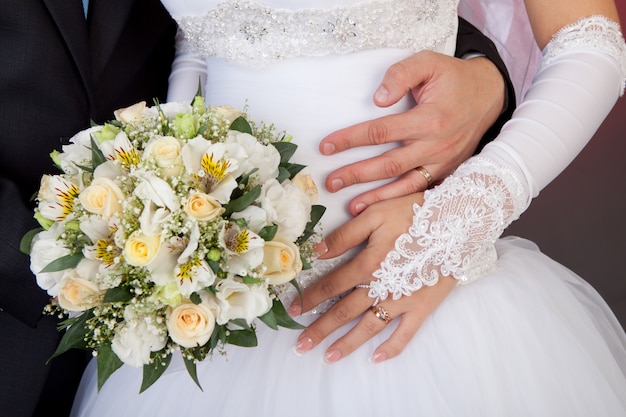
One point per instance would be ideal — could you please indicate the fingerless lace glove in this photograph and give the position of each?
(453, 232)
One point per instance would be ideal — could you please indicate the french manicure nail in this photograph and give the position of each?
(295, 309)
(303, 345)
(321, 248)
(332, 355)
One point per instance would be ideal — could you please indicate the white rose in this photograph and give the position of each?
(305, 183)
(252, 154)
(141, 249)
(102, 197)
(136, 338)
(166, 152)
(132, 113)
(191, 324)
(78, 152)
(287, 206)
(169, 109)
(201, 206)
(281, 260)
(45, 248)
(77, 293)
(237, 300)
(227, 112)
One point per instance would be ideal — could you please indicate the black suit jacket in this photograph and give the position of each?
(58, 72)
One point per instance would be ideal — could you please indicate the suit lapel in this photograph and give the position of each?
(69, 18)
(107, 20)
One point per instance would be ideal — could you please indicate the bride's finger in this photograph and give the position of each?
(347, 236)
(338, 281)
(342, 312)
(374, 320)
(422, 304)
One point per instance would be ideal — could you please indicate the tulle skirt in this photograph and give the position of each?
(529, 339)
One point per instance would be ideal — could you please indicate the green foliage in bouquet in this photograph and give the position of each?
(172, 227)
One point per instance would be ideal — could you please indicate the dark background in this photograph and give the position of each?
(580, 218)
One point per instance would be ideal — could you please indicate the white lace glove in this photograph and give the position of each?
(583, 73)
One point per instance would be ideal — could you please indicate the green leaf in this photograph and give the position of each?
(74, 336)
(244, 201)
(215, 266)
(108, 362)
(283, 319)
(241, 323)
(268, 232)
(27, 239)
(245, 178)
(286, 150)
(269, 319)
(97, 157)
(317, 212)
(240, 124)
(215, 337)
(293, 169)
(84, 168)
(154, 370)
(190, 364)
(195, 298)
(251, 281)
(244, 338)
(64, 262)
(283, 174)
(118, 294)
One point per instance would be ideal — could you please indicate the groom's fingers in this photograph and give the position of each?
(403, 76)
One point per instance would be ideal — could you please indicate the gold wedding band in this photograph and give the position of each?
(426, 174)
(380, 312)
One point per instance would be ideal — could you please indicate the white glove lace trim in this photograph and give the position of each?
(454, 232)
(595, 32)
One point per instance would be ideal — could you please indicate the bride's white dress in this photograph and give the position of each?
(528, 339)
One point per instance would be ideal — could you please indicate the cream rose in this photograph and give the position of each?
(227, 112)
(78, 294)
(141, 249)
(166, 152)
(237, 300)
(281, 259)
(202, 206)
(190, 324)
(305, 183)
(132, 113)
(102, 197)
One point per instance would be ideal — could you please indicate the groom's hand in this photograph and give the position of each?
(456, 103)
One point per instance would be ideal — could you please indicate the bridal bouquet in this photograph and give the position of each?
(172, 227)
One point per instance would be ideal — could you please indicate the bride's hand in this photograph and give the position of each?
(457, 101)
(380, 230)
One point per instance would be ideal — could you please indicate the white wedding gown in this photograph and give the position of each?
(528, 339)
